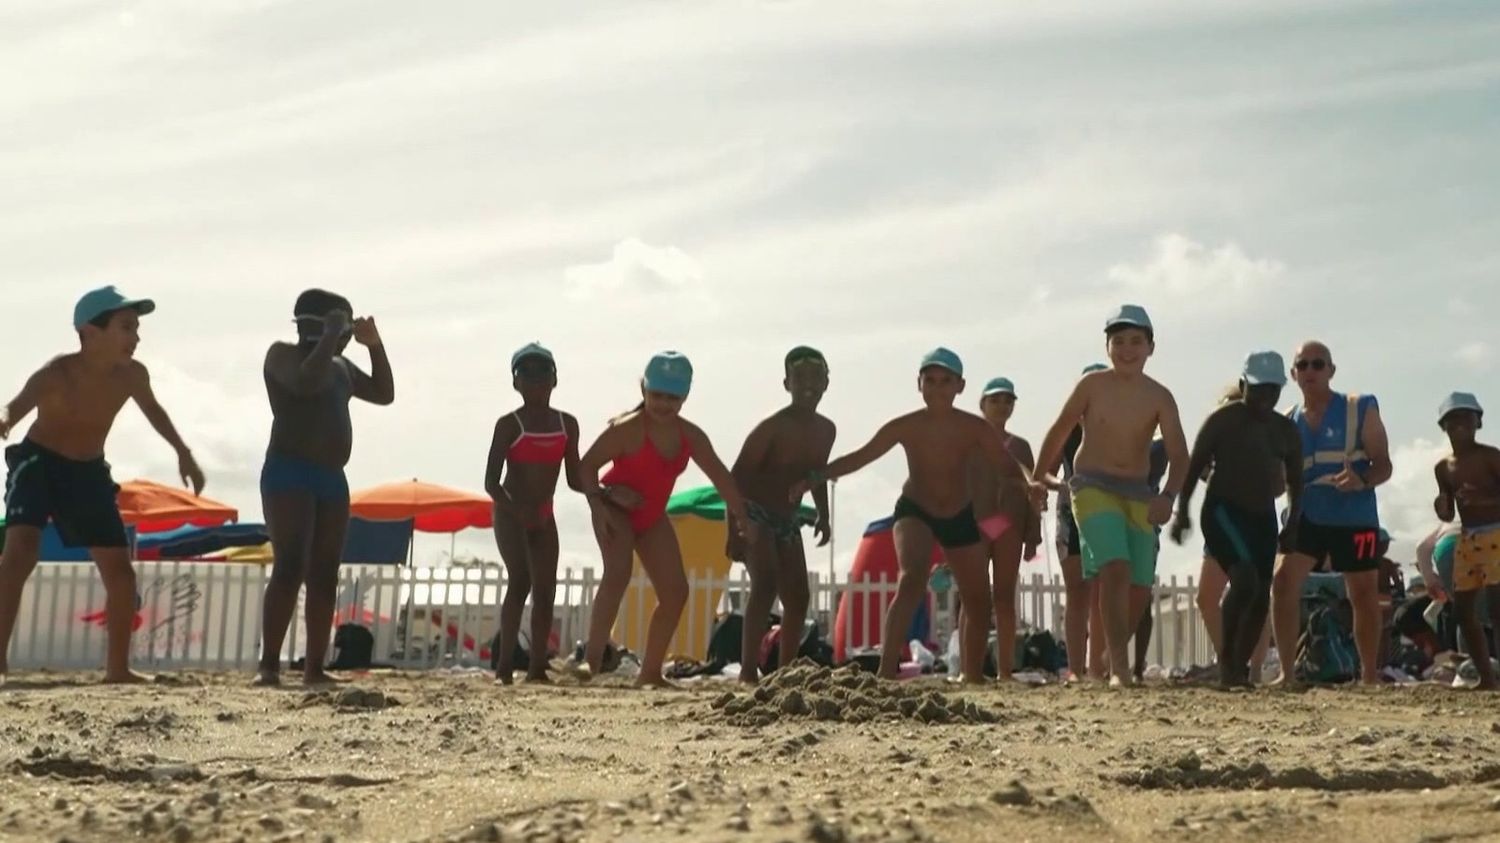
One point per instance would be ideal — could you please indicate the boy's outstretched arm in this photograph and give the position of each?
(1049, 456)
(144, 398)
(753, 452)
(886, 438)
(824, 528)
(1443, 505)
(1177, 449)
(26, 400)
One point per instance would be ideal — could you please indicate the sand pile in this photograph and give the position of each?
(805, 690)
(348, 699)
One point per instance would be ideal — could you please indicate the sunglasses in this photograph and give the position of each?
(1317, 365)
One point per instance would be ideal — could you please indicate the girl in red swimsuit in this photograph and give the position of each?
(536, 442)
(649, 447)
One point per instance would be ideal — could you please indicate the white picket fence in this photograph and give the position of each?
(207, 616)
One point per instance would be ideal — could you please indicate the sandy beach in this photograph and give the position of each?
(813, 755)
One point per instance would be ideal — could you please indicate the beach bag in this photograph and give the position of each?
(355, 647)
(1040, 651)
(1326, 652)
(811, 647)
(724, 642)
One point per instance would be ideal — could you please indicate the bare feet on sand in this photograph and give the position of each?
(266, 678)
(128, 677)
(538, 677)
(657, 682)
(319, 679)
(504, 677)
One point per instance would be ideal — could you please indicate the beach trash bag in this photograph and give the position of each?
(354, 647)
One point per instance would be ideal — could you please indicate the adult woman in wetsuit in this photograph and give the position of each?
(649, 447)
(531, 446)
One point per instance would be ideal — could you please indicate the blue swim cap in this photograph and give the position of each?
(669, 372)
(999, 386)
(942, 358)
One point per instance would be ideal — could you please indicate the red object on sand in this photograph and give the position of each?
(431, 508)
(155, 508)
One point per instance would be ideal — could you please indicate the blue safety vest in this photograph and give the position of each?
(1324, 453)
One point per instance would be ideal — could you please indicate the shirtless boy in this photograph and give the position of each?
(1468, 483)
(303, 491)
(1120, 410)
(58, 472)
(780, 451)
(935, 504)
(531, 447)
(1248, 446)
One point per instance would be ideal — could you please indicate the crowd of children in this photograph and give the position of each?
(972, 489)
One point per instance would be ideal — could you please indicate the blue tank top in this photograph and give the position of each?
(1323, 455)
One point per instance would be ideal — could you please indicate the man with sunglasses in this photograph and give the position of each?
(303, 491)
(1345, 455)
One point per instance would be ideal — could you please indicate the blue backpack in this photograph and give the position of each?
(1326, 653)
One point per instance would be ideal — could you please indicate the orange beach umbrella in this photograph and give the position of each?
(430, 507)
(154, 508)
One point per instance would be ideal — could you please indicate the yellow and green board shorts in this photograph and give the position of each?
(1113, 525)
(1476, 562)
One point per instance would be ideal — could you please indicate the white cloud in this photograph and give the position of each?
(1181, 266)
(1476, 355)
(635, 268)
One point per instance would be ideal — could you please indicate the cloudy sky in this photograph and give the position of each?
(731, 179)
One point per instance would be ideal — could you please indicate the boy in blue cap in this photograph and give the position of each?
(531, 446)
(1248, 445)
(1116, 510)
(58, 472)
(780, 451)
(303, 491)
(649, 447)
(935, 505)
(1468, 483)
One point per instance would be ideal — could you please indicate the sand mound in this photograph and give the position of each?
(348, 699)
(805, 690)
(1189, 772)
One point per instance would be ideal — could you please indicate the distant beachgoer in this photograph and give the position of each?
(303, 490)
(58, 474)
(531, 447)
(1083, 626)
(1253, 453)
(1120, 411)
(1345, 456)
(1468, 483)
(935, 505)
(780, 451)
(1213, 583)
(649, 447)
(1011, 523)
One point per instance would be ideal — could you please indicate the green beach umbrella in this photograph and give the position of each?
(705, 502)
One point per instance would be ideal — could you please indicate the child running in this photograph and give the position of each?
(1468, 483)
(649, 447)
(1253, 452)
(1116, 511)
(303, 490)
(1083, 628)
(58, 472)
(780, 451)
(531, 447)
(935, 505)
(1011, 524)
